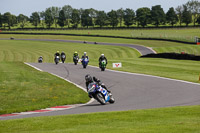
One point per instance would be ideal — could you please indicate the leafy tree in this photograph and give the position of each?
(35, 19)
(42, 16)
(14, 20)
(1, 20)
(101, 19)
(7, 19)
(187, 15)
(179, 12)
(157, 15)
(93, 15)
(194, 7)
(48, 17)
(86, 19)
(113, 18)
(55, 14)
(171, 16)
(61, 19)
(129, 17)
(143, 16)
(68, 13)
(75, 18)
(22, 19)
(120, 13)
(198, 20)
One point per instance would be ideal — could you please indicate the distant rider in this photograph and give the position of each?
(40, 59)
(85, 56)
(75, 54)
(101, 58)
(57, 54)
(89, 79)
(62, 53)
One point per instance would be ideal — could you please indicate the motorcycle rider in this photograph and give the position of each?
(75, 54)
(62, 53)
(85, 56)
(101, 58)
(40, 59)
(57, 54)
(89, 80)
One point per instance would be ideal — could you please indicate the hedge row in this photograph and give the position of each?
(177, 56)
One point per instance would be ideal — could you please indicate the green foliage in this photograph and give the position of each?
(113, 18)
(22, 19)
(129, 17)
(68, 13)
(143, 16)
(35, 19)
(157, 15)
(171, 16)
(86, 19)
(61, 18)
(75, 20)
(48, 17)
(101, 18)
(187, 15)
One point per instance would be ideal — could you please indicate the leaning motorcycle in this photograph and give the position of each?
(57, 59)
(85, 62)
(40, 60)
(100, 94)
(63, 57)
(103, 65)
(75, 59)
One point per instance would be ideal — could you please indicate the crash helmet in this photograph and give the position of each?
(62, 52)
(102, 55)
(57, 52)
(40, 56)
(88, 78)
(85, 53)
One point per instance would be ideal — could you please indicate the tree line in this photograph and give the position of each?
(72, 18)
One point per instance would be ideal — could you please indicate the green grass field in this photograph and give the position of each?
(187, 34)
(23, 88)
(26, 79)
(165, 120)
(158, 46)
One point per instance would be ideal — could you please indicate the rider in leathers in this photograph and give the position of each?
(89, 80)
(101, 58)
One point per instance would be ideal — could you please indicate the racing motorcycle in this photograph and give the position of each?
(103, 65)
(75, 59)
(63, 57)
(40, 59)
(100, 94)
(85, 62)
(57, 59)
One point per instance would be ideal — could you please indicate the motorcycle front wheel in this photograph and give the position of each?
(100, 98)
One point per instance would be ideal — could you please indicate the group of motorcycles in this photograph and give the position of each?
(84, 61)
(95, 90)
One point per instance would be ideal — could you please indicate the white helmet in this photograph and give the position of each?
(102, 55)
(85, 53)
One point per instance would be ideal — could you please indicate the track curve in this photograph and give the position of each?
(141, 49)
(131, 91)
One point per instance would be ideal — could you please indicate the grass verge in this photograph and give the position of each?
(23, 89)
(165, 120)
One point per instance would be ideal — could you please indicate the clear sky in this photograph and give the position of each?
(27, 7)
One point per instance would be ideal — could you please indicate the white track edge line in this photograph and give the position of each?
(188, 82)
(77, 105)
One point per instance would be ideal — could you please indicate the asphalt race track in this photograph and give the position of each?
(131, 91)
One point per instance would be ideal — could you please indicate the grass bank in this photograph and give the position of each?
(23, 89)
(187, 34)
(158, 46)
(165, 120)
